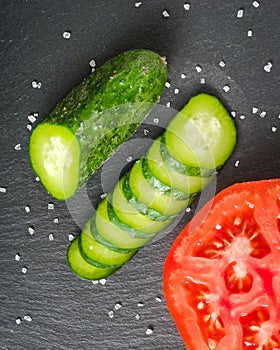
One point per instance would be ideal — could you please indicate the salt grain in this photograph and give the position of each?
(218, 227)
(50, 206)
(149, 331)
(18, 147)
(176, 91)
(226, 88)
(66, 35)
(70, 237)
(17, 257)
(129, 159)
(168, 104)
(255, 110)
(256, 4)
(188, 210)
(111, 314)
(24, 270)
(165, 14)
(31, 230)
(202, 81)
(222, 63)
(18, 321)
(27, 318)
(3, 189)
(167, 84)
(138, 4)
(92, 63)
(198, 68)
(233, 113)
(242, 117)
(263, 114)
(187, 6)
(31, 118)
(156, 120)
(56, 220)
(137, 316)
(102, 281)
(36, 84)
(94, 282)
(103, 195)
(250, 33)
(146, 132)
(240, 13)
(274, 129)
(27, 209)
(29, 127)
(236, 163)
(267, 67)
(51, 237)
(158, 299)
(183, 76)
(140, 304)
(37, 178)
(117, 306)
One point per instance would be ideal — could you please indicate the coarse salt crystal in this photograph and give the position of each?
(27, 318)
(176, 91)
(156, 120)
(138, 4)
(198, 68)
(149, 331)
(226, 88)
(117, 306)
(233, 113)
(158, 299)
(36, 84)
(18, 321)
(242, 116)
(268, 66)
(168, 104)
(202, 81)
(129, 159)
(50, 206)
(137, 316)
(255, 110)
(31, 118)
(250, 33)
(218, 227)
(27, 208)
(18, 147)
(51, 237)
(256, 4)
(92, 63)
(111, 314)
(146, 132)
(3, 189)
(103, 195)
(66, 35)
(188, 210)
(263, 114)
(187, 6)
(17, 257)
(183, 76)
(29, 127)
(102, 281)
(240, 13)
(222, 63)
(94, 282)
(56, 220)
(165, 14)
(274, 129)
(237, 163)
(24, 270)
(140, 304)
(70, 237)
(167, 84)
(31, 230)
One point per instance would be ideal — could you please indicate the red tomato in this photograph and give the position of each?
(222, 281)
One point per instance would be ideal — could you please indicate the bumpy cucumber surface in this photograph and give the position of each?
(154, 191)
(95, 119)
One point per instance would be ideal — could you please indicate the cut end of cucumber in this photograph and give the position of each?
(203, 134)
(55, 157)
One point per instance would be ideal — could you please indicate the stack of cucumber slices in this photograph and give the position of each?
(157, 188)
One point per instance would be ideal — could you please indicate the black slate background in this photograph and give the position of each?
(65, 312)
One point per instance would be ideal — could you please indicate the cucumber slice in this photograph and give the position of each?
(203, 134)
(112, 232)
(152, 197)
(99, 255)
(82, 268)
(132, 217)
(167, 174)
(95, 119)
(140, 206)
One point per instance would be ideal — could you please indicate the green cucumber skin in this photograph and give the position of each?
(135, 78)
(136, 171)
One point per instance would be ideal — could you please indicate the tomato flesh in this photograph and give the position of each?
(222, 274)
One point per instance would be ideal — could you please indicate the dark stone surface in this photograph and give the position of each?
(67, 313)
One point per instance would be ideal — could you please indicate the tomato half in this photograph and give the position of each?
(222, 281)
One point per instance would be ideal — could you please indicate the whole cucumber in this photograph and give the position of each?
(95, 118)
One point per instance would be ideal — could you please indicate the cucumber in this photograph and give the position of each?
(116, 234)
(95, 119)
(170, 175)
(82, 268)
(157, 188)
(98, 254)
(131, 216)
(152, 197)
(202, 135)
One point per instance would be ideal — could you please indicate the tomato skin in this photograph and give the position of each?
(226, 264)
